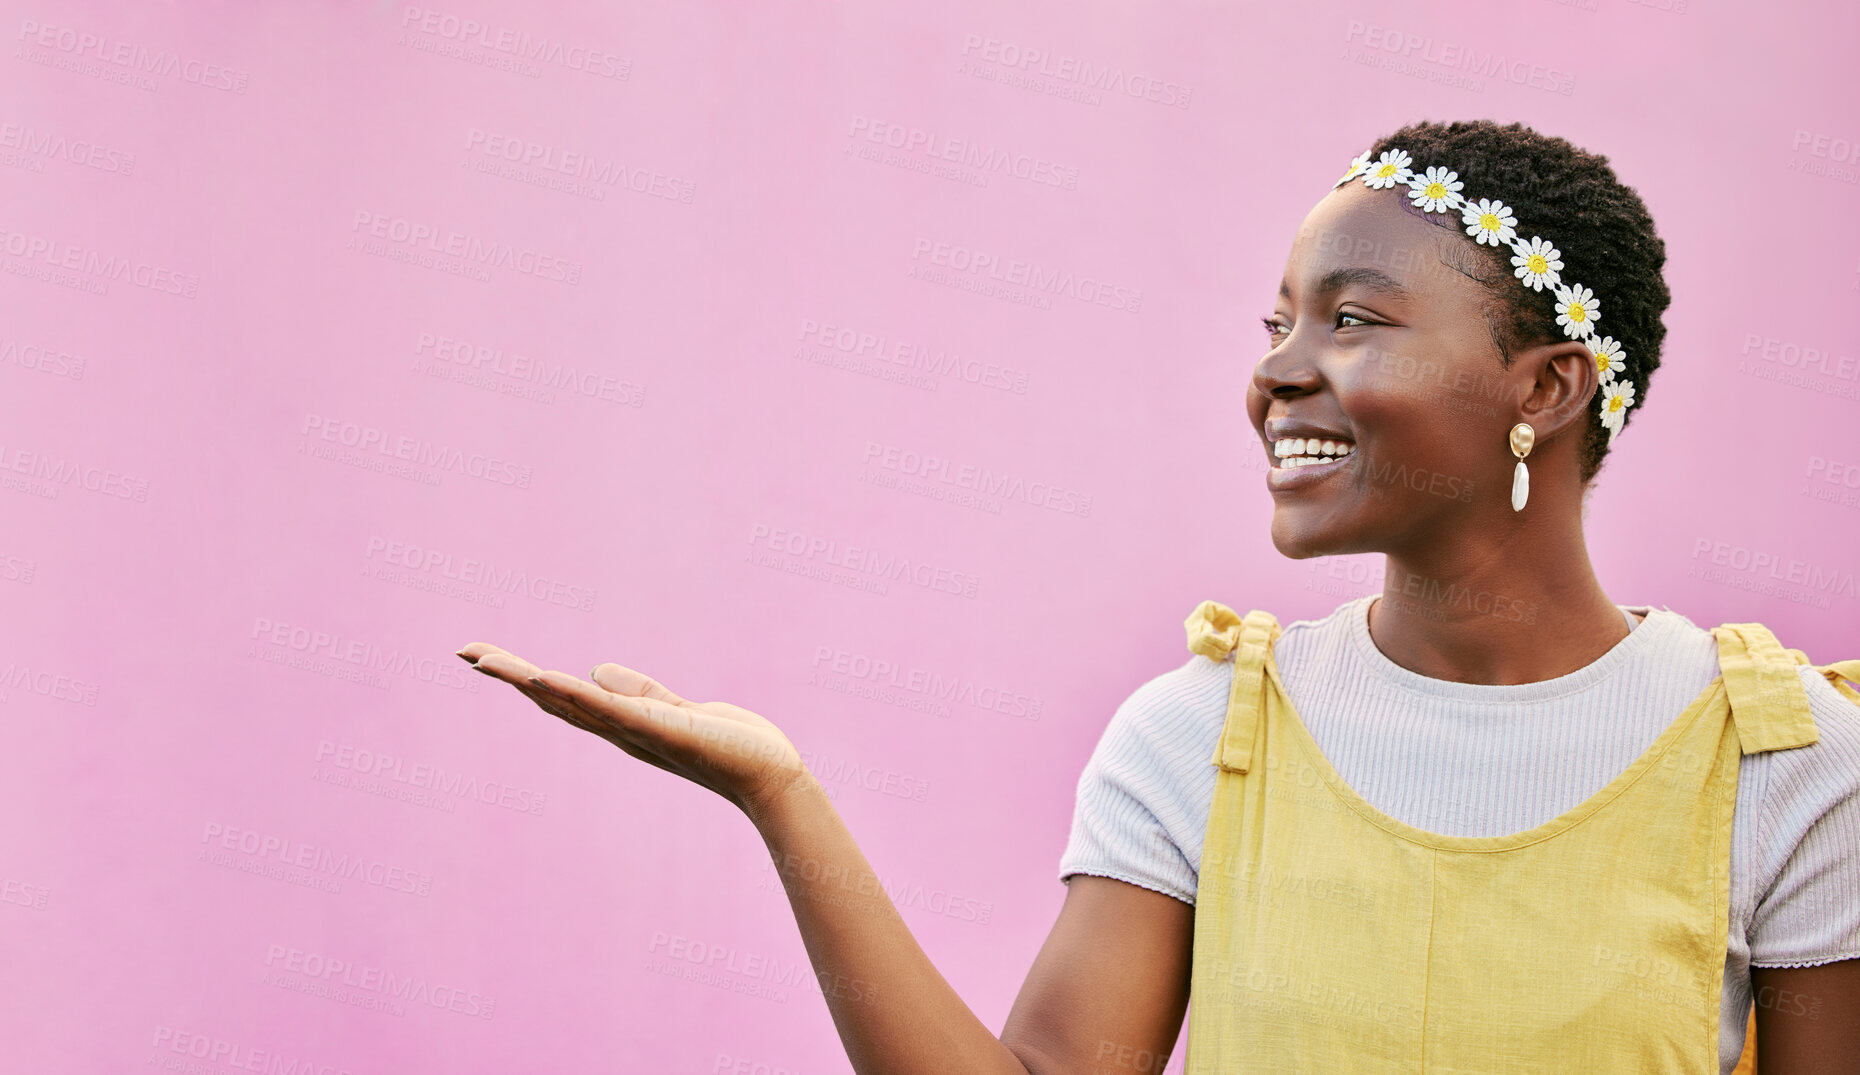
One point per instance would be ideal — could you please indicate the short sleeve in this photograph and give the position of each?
(1140, 808)
(1810, 821)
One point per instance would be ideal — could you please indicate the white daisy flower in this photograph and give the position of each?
(1436, 191)
(1616, 399)
(1390, 170)
(1356, 167)
(1609, 358)
(1489, 221)
(1537, 263)
(1577, 310)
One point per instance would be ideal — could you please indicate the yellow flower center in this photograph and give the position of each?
(1489, 221)
(1384, 171)
(1537, 263)
(1436, 190)
(1614, 403)
(1577, 313)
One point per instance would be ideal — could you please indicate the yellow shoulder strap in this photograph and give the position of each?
(1837, 673)
(1213, 630)
(1769, 705)
(1768, 702)
(1219, 633)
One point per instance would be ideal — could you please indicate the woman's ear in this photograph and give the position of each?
(1564, 383)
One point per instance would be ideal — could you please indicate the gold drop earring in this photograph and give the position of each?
(1522, 436)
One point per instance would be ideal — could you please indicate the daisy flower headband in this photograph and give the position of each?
(1536, 263)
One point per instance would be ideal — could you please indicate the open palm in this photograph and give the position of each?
(726, 748)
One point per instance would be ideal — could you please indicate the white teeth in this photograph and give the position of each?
(1291, 452)
(1304, 451)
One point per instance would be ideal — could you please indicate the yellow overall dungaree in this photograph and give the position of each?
(1330, 937)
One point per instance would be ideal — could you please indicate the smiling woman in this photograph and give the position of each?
(1487, 820)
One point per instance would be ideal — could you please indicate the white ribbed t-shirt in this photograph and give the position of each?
(1469, 759)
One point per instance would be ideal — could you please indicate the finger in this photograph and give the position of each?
(570, 708)
(511, 669)
(488, 658)
(572, 713)
(644, 718)
(506, 666)
(556, 707)
(619, 679)
(471, 651)
(514, 671)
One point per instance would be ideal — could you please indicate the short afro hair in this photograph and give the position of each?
(1572, 198)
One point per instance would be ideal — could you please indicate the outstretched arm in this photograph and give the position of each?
(894, 1011)
(1106, 993)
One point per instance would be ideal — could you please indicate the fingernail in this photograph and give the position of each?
(540, 685)
(593, 670)
(468, 660)
(483, 669)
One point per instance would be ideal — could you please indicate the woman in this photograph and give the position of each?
(1488, 820)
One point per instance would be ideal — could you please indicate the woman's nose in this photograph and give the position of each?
(1286, 371)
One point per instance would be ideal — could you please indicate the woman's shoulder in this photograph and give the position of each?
(1827, 703)
(1190, 696)
(1837, 716)
(1807, 783)
(1155, 749)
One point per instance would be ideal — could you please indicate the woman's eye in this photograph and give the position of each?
(1273, 328)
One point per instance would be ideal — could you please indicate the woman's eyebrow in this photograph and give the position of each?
(1362, 276)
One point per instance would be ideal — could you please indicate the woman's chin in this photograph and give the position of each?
(1300, 538)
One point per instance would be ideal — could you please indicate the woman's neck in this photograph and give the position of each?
(1519, 606)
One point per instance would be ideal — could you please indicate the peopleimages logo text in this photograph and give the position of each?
(469, 248)
(416, 450)
(378, 980)
(1075, 70)
(1026, 274)
(517, 43)
(129, 55)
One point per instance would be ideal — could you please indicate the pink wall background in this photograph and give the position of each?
(213, 629)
